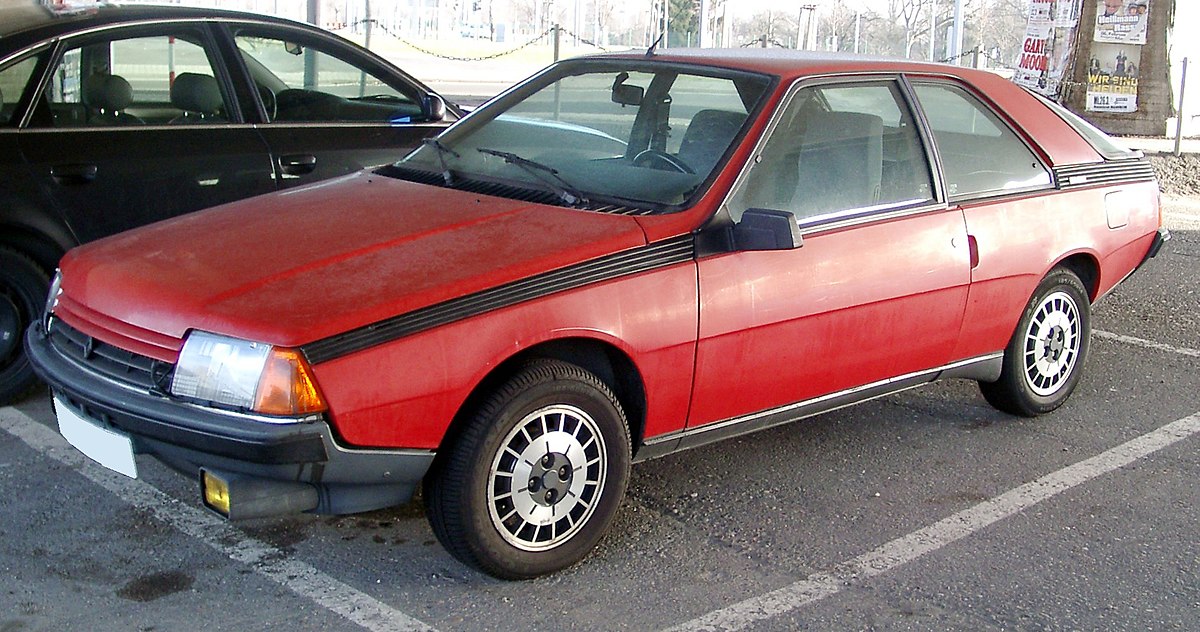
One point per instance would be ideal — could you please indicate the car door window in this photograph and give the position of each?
(298, 82)
(980, 155)
(839, 149)
(165, 78)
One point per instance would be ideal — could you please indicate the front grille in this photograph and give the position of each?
(112, 362)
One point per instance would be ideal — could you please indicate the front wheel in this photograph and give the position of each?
(535, 477)
(1044, 359)
(23, 287)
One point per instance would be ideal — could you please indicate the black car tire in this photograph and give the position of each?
(23, 287)
(535, 476)
(1045, 357)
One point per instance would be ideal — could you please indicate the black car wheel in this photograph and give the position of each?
(23, 287)
(536, 475)
(1045, 357)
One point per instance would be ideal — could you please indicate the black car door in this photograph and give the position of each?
(330, 108)
(138, 124)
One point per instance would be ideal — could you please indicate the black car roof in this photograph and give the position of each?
(25, 24)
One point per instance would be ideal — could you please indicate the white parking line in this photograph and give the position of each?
(1149, 344)
(266, 560)
(905, 549)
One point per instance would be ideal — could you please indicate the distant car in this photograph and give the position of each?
(115, 117)
(625, 256)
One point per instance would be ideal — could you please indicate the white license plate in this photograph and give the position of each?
(106, 447)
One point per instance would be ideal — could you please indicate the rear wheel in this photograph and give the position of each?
(536, 475)
(1044, 359)
(23, 287)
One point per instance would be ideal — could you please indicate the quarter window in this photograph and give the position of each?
(837, 150)
(13, 80)
(980, 154)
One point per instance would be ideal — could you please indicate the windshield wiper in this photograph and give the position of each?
(561, 187)
(442, 150)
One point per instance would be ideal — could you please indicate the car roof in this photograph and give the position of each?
(30, 22)
(789, 63)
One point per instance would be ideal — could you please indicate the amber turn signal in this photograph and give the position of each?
(286, 386)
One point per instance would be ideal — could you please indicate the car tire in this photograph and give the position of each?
(23, 287)
(1044, 360)
(535, 476)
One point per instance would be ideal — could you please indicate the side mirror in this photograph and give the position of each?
(767, 229)
(434, 107)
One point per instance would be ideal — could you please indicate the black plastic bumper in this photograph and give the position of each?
(1161, 237)
(189, 437)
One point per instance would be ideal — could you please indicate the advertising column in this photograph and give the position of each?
(1049, 39)
(1117, 55)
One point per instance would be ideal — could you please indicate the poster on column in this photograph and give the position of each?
(1047, 45)
(1113, 78)
(1122, 21)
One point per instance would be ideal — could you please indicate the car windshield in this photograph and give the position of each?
(635, 133)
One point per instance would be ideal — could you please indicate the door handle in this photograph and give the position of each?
(297, 164)
(74, 173)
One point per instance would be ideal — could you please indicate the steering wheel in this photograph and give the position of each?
(653, 158)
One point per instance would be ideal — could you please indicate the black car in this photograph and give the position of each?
(113, 117)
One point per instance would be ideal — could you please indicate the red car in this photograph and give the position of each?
(625, 256)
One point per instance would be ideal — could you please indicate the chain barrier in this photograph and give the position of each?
(582, 39)
(759, 42)
(959, 56)
(421, 49)
(431, 53)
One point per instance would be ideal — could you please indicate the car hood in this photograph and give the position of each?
(301, 265)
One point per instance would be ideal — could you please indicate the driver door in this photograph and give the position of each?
(330, 109)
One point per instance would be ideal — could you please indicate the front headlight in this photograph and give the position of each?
(246, 375)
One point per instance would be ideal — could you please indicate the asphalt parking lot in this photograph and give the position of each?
(924, 510)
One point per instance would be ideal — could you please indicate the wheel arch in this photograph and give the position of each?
(37, 235)
(1085, 266)
(605, 360)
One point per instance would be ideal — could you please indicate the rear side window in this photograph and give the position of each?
(980, 154)
(133, 81)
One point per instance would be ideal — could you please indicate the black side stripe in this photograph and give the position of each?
(656, 255)
(1103, 173)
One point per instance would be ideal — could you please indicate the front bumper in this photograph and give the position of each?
(190, 437)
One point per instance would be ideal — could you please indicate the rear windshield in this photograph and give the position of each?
(1103, 143)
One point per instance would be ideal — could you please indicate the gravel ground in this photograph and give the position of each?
(1177, 176)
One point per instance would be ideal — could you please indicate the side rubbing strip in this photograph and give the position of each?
(1111, 172)
(657, 255)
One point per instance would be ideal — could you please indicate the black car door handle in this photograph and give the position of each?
(297, 164)
(73, 174)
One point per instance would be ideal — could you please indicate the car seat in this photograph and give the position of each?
(198, 96)
(707, 137)
(106, 97)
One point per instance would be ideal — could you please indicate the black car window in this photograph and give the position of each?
(134, 81)
(14, 78)
(980, 154)
(300, 83)
(838, 150)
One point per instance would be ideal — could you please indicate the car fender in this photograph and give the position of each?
(406, 393)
